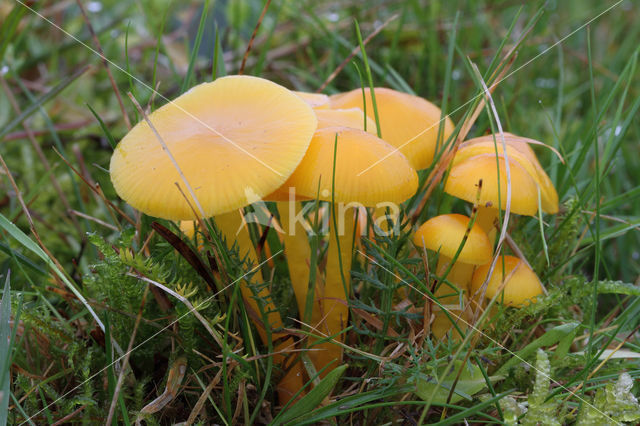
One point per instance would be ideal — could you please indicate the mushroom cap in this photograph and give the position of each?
(350, 117)
(444, 233)
(392, 179)
(315, 100)
(520, 151)
(522, 285)
(235, 139)
(464, 177)
(410, 123)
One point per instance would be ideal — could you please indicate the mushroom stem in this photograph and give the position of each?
(297, 250)
(233, 228)
(331, 310)
(486, 218)
(459, 275)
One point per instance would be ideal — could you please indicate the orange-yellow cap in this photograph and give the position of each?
(520, 151)
(407, 122)
(444, 234)
(464, 177)
(522, 285)
(235, 139)
(360, 176)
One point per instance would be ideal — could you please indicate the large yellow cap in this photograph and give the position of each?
(464, 177)
(519, 150)
(408, 122)
(522, 285)
(236, 139)
(368, 170)
(444, 234)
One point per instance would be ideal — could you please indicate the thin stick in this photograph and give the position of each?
(94, 219)
(203, 397)
(57, 127)
(105, 64)
(354, 52)
(69, 416)
(253, 37)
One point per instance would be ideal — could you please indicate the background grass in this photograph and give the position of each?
(575, 87)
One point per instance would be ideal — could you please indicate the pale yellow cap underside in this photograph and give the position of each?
(235, 139)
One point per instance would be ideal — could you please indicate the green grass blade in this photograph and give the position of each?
(310, 401)
(196, 47)
(367, 69)
(29, 244)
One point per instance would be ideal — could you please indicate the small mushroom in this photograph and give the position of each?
(445, 234)
(480, 158)
(518, 284)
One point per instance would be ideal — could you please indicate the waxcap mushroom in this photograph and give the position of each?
(522, 285)
(519, 150)
(464, 177)
(235, 137)
(392, 180)
(409, 123)
(444, 234)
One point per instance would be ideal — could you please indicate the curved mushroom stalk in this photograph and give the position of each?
(233, 228)
(331, 310)
(297, 250)
(443, 323)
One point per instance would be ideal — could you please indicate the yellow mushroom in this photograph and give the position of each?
(407, 122)
(518, 284)
(235, 140)
(444, 234)
(480, 158)
(392, 180)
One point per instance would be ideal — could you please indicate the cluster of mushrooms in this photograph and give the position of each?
(228, 143)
